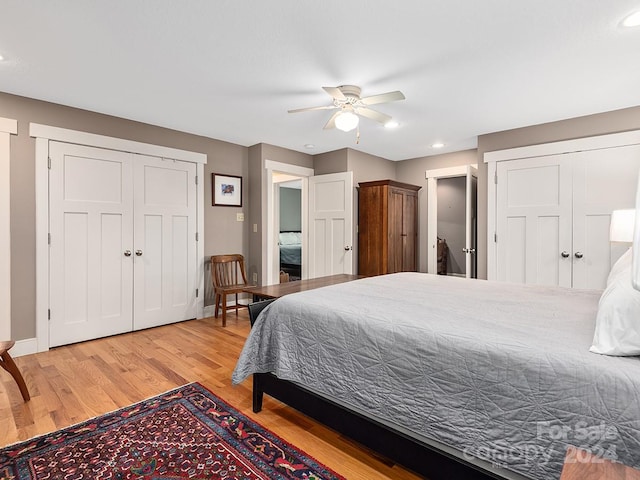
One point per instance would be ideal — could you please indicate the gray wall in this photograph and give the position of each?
(452, 220)
(222, 232)
(290, 209)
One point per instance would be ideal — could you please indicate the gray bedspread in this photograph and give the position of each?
(498, 371)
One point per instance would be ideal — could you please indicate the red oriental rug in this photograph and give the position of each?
(184, 433)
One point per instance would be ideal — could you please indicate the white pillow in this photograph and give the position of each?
(623, 262)
(290, 238)
(618, 320)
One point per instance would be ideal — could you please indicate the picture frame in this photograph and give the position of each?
(226, 190)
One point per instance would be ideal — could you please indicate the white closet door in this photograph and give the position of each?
(330, 224)
(165, 241)
(533, 221)
(603, 181)
(91, 231)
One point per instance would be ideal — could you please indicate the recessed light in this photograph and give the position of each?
(391, 124)
(310, 146)
(632, 20)
(437, 145)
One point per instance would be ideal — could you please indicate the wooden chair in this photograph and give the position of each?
(229, 278)
(9, 365)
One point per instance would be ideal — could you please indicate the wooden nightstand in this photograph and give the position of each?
(582, 465)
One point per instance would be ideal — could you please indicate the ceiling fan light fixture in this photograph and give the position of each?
(632, 20)
(391, 124)
(346, 121)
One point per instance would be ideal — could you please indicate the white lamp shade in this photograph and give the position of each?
(347, 121)
(622, 223)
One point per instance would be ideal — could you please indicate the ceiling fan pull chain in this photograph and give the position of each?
(357, 135)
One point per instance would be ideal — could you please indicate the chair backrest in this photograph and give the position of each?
(227, 270)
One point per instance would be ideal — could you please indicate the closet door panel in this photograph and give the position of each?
(533, 221)
(91, 220)
(603, 181)
(165, 241)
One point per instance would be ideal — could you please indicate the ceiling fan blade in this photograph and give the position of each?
(373, 115)
(332, 121)
(383, 98)
(335, 93)
(309, 109)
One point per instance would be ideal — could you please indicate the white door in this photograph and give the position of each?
(471, 220)
(330, 224)
(91, 222)
(603, 181)
(553, 215)
(533, 221)
(165, 241)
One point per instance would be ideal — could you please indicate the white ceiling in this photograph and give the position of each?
(231, 69)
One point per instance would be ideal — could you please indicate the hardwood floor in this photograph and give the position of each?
(73, 383)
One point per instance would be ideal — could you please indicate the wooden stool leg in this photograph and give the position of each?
(9, 365)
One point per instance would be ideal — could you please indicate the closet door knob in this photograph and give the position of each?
(564, 254)
(139, 253)
(127, 253)
(579, 255)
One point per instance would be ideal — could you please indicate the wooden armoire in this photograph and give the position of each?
(387, 227)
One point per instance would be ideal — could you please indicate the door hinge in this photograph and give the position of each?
(197, 236)
(495, 238)
(49, 238)
(197, 292)
(196, 179)
(49, 314)
(49, 163)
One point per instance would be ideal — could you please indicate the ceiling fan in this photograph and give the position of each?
(347, 100)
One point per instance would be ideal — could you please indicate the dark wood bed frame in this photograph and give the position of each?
(424, 459)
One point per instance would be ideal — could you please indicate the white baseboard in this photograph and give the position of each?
(24, 347)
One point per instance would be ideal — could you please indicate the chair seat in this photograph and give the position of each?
(231, 288)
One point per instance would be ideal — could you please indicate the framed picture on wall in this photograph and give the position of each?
(227, 190)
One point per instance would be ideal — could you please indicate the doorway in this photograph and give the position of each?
(289, 199)
(452, 221)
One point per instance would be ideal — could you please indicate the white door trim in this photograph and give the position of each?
(8, 127)
(432, 177)
(269, 276)
(554, 148)
(45, 133)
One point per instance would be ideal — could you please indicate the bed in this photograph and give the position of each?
(290, 243)
(495, 380)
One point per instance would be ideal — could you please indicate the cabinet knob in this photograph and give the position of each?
(139, 253)
(347, 248)
(127, 253)
(579, 255)
(564, 254)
